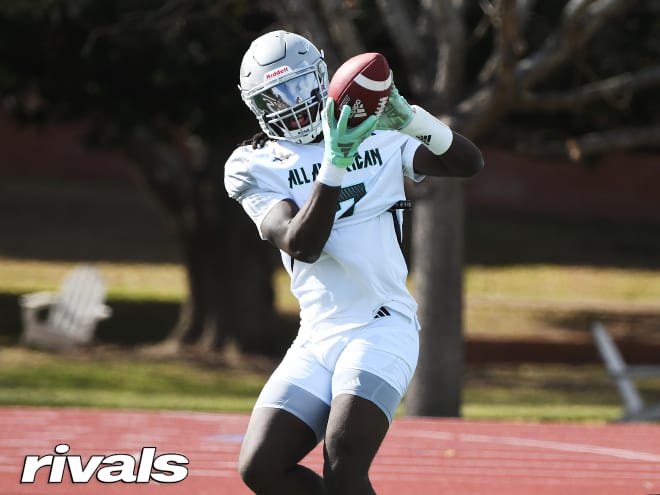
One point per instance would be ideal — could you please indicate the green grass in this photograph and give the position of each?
(127, 281)
(129, 380)
(575, 285)
(542, 393)
(514, 301)
(113, 380)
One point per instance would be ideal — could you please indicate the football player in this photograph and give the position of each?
(327, 196)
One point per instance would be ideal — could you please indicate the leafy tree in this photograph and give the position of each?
(157, 79)
(572, 78)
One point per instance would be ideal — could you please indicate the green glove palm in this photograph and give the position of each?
(397, 113)
(341, 143)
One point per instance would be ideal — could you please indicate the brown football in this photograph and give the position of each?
(363, 83)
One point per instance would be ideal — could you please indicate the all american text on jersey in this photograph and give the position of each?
(306, 175)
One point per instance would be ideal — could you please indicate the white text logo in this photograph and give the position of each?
(165, 468)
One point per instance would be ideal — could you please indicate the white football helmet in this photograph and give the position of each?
(284, 81)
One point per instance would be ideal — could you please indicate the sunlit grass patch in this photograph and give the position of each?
(575, 285)
(158, 281)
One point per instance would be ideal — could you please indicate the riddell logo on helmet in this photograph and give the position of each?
(277, 72)
(165, 468)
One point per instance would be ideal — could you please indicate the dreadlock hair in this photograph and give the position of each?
(257, 141)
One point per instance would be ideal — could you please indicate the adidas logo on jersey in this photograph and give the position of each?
(424, 138)
(357, 110)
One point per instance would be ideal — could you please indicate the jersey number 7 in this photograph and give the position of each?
(355, 192)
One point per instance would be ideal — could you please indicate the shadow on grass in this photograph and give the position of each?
(131, 323)
(638, 327)
(138, 322)
(564, 336)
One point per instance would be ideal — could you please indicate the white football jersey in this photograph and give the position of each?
(362, 267)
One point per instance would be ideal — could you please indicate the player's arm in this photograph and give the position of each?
(302, 233)
(462, 159)
(444, 153)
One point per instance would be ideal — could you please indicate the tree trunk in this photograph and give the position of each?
(229, 269)
(437, 262)
(245, 271)
(230, 296)
(199, 319)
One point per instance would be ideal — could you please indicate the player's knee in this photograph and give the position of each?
(255, 471)
(341, 477)
(343, 470)
(247, 471)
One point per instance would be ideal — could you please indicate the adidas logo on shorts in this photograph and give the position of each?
(354, 382)
(382, 311)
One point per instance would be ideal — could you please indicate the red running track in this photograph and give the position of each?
(419, 456)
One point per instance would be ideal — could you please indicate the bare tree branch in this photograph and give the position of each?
(523, 11)
(628, 82)
(594, 143)
(487, 105)
(575, 8)
(340, 24)
(170, 17)
(304, 17)
(507, 41)
(447, 17)
(493, 15)
(404, 35)
(581, 20)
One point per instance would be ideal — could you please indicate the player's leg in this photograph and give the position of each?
(371, 375)
(274, 444)
(288, 421)
(355, 431)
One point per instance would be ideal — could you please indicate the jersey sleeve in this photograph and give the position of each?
(242, 185)
(408, 149)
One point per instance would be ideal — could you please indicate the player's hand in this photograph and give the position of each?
(397, 113)
(341, 143)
